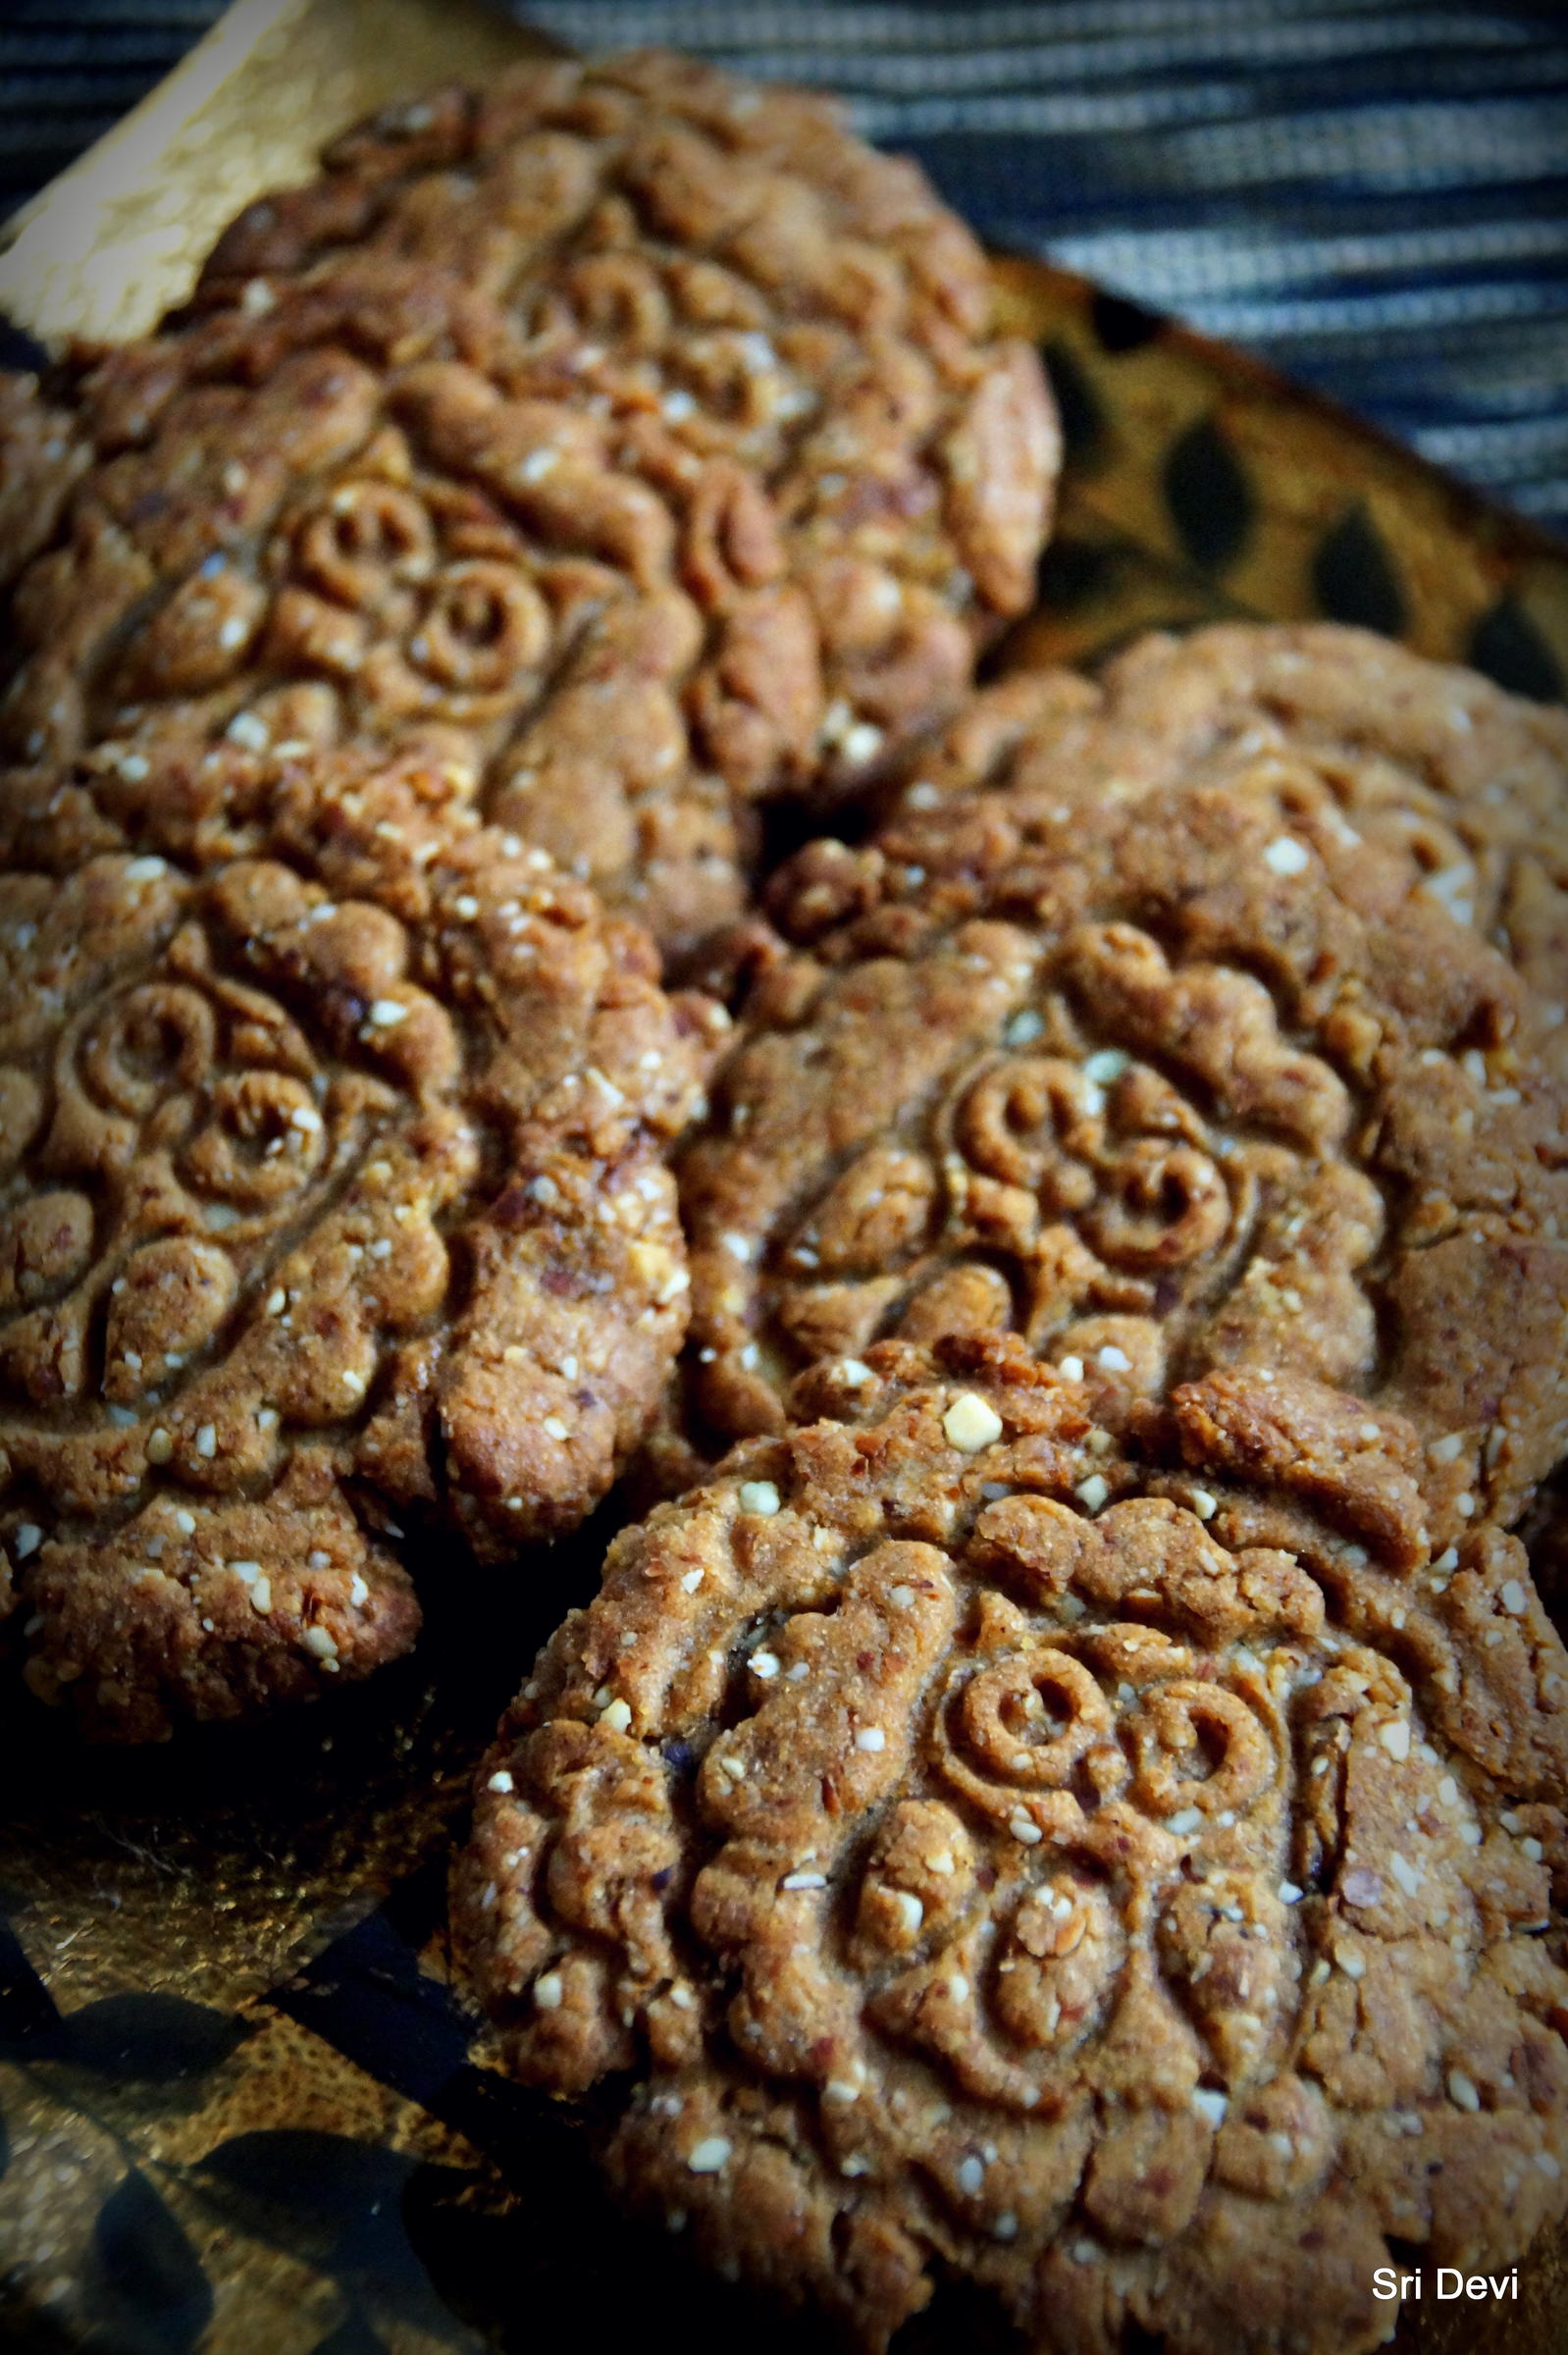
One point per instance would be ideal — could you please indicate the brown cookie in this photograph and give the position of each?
(40, 456)
(1188, 1086)
(648, 449)
(1427, 760)
(356, 516)
(1132, 1884)
(334, 1200)
(724, 258)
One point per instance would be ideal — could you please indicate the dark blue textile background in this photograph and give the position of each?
(1373, 193)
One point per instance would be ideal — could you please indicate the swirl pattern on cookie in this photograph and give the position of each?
(642, 441)
(1193, 1085)
(333, 1199)
(1130, 1880)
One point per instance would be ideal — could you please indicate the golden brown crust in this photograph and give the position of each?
(334, 1187)
(1428, 760)
(647, 455)
(1194, 1085)
(1099, 1875)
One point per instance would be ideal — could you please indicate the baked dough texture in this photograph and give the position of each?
(332, 1200)
(1128, 1877)
(1193, 1083)
(40, 456)
(640, 439)
(727, 257)
(1427, 760)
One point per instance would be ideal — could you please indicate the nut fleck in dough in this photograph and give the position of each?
(332, 1197)
(1423, 758)
(1184, 1086)
(640, 439)
(1132, 1884)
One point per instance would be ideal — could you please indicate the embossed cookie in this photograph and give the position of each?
(358, 516)
(1426, 758)
(738, 284)
(1132, 1884)
(332, 1200)
(1196, 1084)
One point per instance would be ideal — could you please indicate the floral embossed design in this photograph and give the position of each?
(1122, 1760)
(707, 493)
(967, 1844)
(325, 1211)
(1180, 1091)
(205, 1117)
(431, 547)
(1111, 1202)
(745, 284)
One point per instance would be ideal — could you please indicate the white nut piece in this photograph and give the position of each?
(971, 1424)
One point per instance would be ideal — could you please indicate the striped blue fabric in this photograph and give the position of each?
(1370, 193)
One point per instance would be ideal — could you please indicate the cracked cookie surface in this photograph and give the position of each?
(1189, 1086)
(1428, 760)
(332, 1198)
(1130, 1880)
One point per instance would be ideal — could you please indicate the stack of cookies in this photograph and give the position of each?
(1067, 1788)
(403, 646)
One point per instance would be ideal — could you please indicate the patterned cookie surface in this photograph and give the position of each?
(356, 516)
(1428, 760)
(333, 1197)
(1190, 1086)
(650, 454)
(1130, 1883)
(725, 258)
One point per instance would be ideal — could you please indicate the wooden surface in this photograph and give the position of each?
(118, 239)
